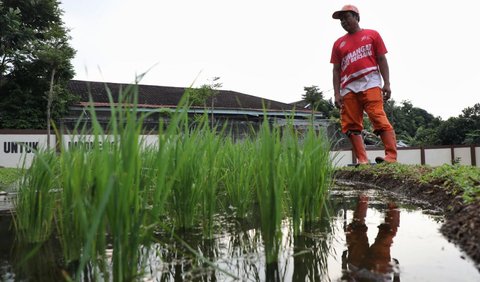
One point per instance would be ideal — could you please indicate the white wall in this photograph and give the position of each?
(17, 148)
(463, 154)
(410, 156)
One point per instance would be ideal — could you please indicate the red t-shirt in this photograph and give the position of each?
(357, 54)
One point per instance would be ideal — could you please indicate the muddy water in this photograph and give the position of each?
(368, 236)
(416, 251)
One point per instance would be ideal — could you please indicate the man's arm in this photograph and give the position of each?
(385, 72)
(336, 86)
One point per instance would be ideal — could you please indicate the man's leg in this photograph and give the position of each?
(352, 125)
(358, 146)
(373, 101)
(390, 142)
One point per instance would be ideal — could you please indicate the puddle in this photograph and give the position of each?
(409, 247)
(418, 251)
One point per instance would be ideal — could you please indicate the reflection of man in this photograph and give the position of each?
(365, 261)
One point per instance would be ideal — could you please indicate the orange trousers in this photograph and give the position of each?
(370, 101)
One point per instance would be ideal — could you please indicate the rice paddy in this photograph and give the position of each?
(108, 204)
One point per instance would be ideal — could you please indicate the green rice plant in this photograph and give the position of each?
(293, 169)
(318, 171)
(117, 192)
(238, 168)
(186, 195)
(307, 170)
(125, 209)
(269, 189)
(209, 161)
(76, 202)
(105, 200)
(36, 198)
(194, 172)
(155, 175)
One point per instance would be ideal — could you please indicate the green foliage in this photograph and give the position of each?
(34, 51)
(472, 137)
(395, 170)
(269, 189)
(200, 96)
(315, 99)
(418, 127)
(35, 202)
(312, 96)
(457, 179)
(307, 170)
(115, 193)
(8, 176)
(408, 120)
(237, 171)
(426, 136)
(453, 131)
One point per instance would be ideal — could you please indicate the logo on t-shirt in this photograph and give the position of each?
(359, 53)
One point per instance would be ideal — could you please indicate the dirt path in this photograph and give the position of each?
(462, 222)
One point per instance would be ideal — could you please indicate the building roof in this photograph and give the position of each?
(151, 96)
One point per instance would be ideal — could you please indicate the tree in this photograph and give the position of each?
(411, 123)
(312, 96)
(55, 54)
(471, 120)
(200, 96)
(452, 131)
(425, 136)
(11, 37)
(34, 63)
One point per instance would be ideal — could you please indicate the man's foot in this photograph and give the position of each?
(379, 160)
(363, 164)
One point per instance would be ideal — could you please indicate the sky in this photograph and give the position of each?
(274, 48)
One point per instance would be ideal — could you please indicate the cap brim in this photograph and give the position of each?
(336, 15)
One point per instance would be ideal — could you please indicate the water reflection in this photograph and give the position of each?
(371, 262)
(361, 240)
(311, 250)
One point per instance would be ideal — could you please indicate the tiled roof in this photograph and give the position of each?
(155, 96)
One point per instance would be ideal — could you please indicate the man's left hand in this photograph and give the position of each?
(386, 92)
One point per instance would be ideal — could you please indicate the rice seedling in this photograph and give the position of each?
(317, 173)
(104, 201)
(76, 203)
(293, 172)
(186, 195)
(307, 171)
(269, 189)
(35, 201)
(209, 176)
(238, 168)
(113, 194)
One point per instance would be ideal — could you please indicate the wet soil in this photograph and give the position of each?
(462, 221)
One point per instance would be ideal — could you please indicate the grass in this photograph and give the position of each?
(9, 177)
(456, 179)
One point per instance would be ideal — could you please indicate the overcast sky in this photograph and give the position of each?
(274, 48)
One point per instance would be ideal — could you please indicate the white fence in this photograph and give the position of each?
(431, 155)
(17, 148)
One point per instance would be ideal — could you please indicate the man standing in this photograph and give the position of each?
(359, 64)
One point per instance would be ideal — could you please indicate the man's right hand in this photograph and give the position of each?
(338, 101)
